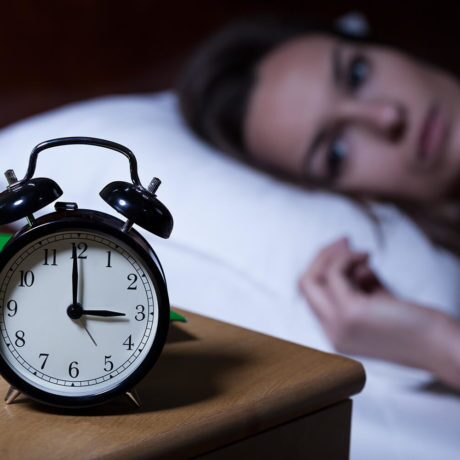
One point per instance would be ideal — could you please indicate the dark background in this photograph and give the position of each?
(56, 51)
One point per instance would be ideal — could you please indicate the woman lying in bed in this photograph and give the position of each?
(348, 115)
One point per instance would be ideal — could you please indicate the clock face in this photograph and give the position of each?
(83, 348)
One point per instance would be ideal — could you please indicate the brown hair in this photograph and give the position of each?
(215, 86)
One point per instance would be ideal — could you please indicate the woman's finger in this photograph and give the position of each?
(312, 282)
(318, 299)
(364, 278)
(322, 259)
(338, 280)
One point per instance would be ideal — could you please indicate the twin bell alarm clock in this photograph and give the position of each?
(84, 308)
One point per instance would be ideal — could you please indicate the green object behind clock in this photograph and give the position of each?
(4, 237)
(174, 316)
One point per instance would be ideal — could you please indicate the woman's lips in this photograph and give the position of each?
(432, 138)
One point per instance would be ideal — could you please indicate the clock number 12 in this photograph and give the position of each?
(82, 247)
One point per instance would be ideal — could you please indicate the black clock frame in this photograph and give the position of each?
(89, 220)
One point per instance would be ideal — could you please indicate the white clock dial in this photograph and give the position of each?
(87, 355)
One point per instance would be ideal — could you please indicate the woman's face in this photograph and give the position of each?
(356, 118)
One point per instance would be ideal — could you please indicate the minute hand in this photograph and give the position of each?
(106, 313)
(74, 276)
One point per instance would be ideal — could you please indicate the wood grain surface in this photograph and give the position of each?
(323, 435)
(214, 384)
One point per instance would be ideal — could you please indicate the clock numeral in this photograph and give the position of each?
(20, 340)
(129, 343)
(82, 247)
(73, 369)
(50, 257)
(109, 259)
(46, 356)
(108, 364)
(12, 306)
(27, 278)
(133, 278)
(140, 316)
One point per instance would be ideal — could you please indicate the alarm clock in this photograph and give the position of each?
(84, 309)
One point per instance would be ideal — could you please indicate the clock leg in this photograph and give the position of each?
(11, 395)
(134, 397)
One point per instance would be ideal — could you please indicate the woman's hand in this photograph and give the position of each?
(361, 316)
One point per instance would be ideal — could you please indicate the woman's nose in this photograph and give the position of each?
(385, 117)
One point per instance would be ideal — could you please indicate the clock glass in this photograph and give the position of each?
(79, 312)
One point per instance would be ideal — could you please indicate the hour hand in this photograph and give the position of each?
(106, 313)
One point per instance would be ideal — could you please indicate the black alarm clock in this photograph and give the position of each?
(84, 309)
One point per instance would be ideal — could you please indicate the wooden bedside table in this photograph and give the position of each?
(217, 392)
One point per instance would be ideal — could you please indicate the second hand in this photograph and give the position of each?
(86, 329)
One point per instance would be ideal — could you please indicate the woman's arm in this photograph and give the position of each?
(361, 316)
(446, 350)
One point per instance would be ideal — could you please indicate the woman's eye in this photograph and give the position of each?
(358, 72)
(336, 155)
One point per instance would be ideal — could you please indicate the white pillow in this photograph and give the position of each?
(241, 241)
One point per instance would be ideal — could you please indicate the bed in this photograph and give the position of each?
(242, 239)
